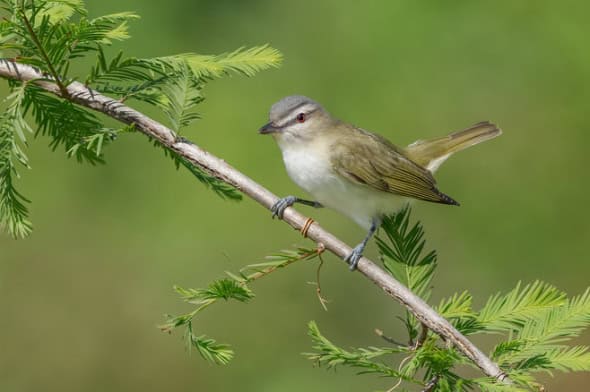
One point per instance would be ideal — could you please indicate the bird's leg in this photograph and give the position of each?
(357, 252)
(278, 209)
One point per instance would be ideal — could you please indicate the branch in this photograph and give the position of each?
(80, 94)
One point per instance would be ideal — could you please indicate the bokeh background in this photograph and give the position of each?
(82, 296)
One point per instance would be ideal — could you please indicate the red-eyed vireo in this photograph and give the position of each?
(356, 172)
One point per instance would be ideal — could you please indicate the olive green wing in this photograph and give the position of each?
(370, 160)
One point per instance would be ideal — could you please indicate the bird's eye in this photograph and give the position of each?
(300, 117)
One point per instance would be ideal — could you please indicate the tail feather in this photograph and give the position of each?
(432, 153)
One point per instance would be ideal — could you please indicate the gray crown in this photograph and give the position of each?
(283, 108)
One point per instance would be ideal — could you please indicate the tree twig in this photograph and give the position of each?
(388, 339)
(323, 301)
(82, 95)
(269, 270)
(422, 337)
(54, 74)
(431, 384)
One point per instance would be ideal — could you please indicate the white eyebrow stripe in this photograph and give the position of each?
(303, 108)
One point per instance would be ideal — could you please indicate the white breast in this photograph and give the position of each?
(310, 168)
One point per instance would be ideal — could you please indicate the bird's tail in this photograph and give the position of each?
(430, 154)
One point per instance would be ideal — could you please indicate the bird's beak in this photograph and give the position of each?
(269, 128)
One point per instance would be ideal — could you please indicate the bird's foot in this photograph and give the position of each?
(278, 209)
(182, 139)
(354, 256)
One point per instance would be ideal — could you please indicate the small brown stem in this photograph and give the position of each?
(52, 71)
(431, 384)
(262, 273)
(388, 339)
(422, 337)
(323, 301)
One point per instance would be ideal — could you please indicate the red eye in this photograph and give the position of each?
(301, 117)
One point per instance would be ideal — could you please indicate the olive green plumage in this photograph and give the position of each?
(424, 152)
(368, 159)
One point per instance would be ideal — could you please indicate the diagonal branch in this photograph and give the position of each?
(82, 95)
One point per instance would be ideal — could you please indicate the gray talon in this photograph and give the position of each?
(182, 139)
(357, 252)
(354, 257)
(278, 209)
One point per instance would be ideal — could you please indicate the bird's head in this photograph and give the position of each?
(297, 119)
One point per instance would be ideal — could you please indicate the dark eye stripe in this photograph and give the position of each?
(293, 115)
(296, 108)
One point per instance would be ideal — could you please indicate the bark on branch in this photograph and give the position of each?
(82, 95)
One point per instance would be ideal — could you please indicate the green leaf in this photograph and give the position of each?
(457, 309)
(576, 358)
(221, 188)
(520, 305)
(13, 129)
(559, 323)
(330, 355)
(107, 28)
(210, 350)
(457, 306)
(13, 210)
(61, 10)
(508, 347)
(402, 252)
(95, 142)
(533, 362)
(243, 61)
(538, 338)
(67, 125)
(181, 94)
(120, 70)
(219, 289)
(492, 385)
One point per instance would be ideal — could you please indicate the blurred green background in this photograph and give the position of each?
(82, 296)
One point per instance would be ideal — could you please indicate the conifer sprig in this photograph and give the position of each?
(233, 287)
(534, 319)
(330, 355)
(53, 35)
(13, 140)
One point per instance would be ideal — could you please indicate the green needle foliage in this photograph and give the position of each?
(330, 355)
(534, 323)
(54, 36)
(233, 287)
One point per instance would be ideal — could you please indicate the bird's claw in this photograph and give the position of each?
(353, 258)
(182, 139)
(278, 209)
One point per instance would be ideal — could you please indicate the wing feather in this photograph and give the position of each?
(375, 162)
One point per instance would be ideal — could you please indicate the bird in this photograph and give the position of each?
(358, 173)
